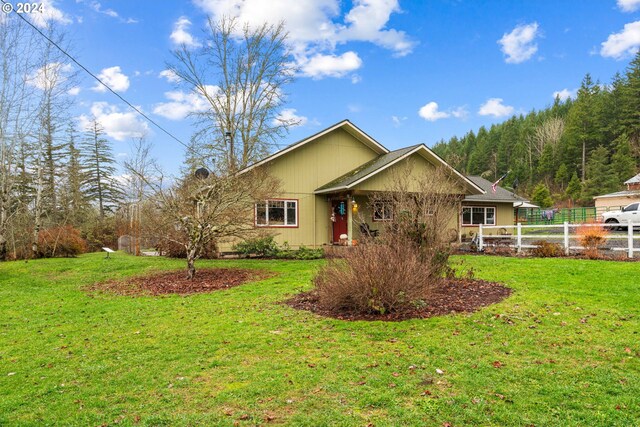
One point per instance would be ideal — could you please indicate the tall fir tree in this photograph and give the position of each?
(601, 179)
(99, 170)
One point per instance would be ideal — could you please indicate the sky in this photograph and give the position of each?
(405, 72)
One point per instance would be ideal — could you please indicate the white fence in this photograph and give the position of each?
(563, 235)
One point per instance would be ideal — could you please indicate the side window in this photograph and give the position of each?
(631, 208)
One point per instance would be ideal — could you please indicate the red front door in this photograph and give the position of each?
(339, 213)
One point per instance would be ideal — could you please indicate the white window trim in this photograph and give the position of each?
(267, 225)
(383, 202)
(484, 221)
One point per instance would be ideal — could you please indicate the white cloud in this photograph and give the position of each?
(623, 44)
(49, 76)
(170, 76)
(564, 94)
(518, 45)
(289, 116)
(316, 27)
(397, 120)
(319, 65)
(74, 91)
(430, 112)
(355, 79)
(180, 34)
(114, 78)
(117, 125)
(494, 107)
(629, 5)
(181, 104)
(366, 21)
(49, 13)
(460, 112)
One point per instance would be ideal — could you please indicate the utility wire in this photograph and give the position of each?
(137, 110)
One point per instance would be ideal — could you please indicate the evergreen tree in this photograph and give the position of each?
(631, 104)
(622, 163)
(562, 176)
(541, 196)
(582, 124)
(73, 200)
(574, 188)
(99, 170)
(601, 178)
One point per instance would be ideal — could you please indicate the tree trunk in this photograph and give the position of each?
(584, 160)
(191, 263)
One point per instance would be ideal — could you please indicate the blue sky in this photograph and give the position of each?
(405, 72)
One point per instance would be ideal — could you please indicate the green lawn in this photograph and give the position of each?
(564, 349)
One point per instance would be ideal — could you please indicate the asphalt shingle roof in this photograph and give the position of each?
(501, 195)
(366, 169)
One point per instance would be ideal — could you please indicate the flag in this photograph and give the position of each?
(495, 184)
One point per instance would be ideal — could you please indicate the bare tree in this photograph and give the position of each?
(424, 209)
(17, 113)
(399, 269)
(241, 72)
(205, 209)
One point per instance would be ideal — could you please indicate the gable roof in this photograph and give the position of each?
(346, 125)
(624, 193)
(373, 167)
(501, 195)
(634, 180)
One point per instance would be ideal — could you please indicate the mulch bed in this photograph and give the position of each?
(176, 282)
(450, 296)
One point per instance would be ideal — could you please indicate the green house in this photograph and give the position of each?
(328, 177)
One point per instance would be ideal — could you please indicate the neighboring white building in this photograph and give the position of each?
(620, 198)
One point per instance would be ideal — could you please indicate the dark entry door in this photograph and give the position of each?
(339, 209)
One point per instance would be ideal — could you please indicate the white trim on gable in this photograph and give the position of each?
(409, 153)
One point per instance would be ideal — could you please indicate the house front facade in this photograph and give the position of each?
(326, 182)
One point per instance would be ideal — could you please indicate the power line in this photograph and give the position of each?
(137, 110)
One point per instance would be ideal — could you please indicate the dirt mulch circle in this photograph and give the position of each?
(176, 282)
(450, 296)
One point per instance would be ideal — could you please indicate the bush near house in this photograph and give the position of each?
(267, 247)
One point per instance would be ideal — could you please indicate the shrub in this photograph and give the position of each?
(591, 237)
(267, 247)
(377, 278)
(546, 249)
(260, 246)
(302, 253)
(62, 241)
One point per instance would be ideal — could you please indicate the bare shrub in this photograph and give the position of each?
(62, 241)
(546, 249)
(592, 237)
(400, 268)
(376, 278)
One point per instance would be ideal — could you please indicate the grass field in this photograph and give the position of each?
(564, 349)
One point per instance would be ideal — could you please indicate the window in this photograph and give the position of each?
(382, 211)
(631, 208)
(277, 213)
(473, 215)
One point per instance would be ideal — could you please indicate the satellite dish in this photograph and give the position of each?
(202, 173)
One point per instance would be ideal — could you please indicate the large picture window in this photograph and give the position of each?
(382, 211)
(277, 213)
(476, 215)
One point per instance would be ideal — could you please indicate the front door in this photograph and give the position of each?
(339, 218)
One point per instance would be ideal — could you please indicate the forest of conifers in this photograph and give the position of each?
(577, 148)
